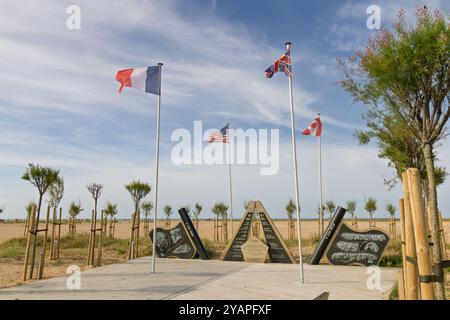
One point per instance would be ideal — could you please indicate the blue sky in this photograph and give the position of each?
(59, 104)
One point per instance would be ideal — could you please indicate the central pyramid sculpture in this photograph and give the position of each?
(278, 251)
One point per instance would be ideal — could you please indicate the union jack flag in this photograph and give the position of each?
(221, 136)
(282, 64)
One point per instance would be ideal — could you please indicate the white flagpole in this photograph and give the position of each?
(294, 156)
(320, 182)
(156, 172)
(231, 189)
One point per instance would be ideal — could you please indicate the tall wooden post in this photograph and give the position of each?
(52, 243)
(401, 285)
(58, 246)
(40, 271)
(138, 228)
(421, 235)
(412, 285)
(401, 205)
(91, 241)
(100, 242)
(131, 245)
(30, 230)
(443, 241)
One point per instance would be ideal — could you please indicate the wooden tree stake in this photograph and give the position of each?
(421, 235)
(412, 284)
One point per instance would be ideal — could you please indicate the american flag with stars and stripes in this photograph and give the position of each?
(221, 136)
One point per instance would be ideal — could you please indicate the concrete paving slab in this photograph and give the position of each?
(203, 280)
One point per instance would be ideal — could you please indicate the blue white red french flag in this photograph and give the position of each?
(143, 79)
(282, 64)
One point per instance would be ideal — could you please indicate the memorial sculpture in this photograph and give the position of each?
(181, 242)
(342, 245)
(277, 251)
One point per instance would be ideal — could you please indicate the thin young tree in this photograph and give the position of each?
(74, 210)
(95, 189)
(318, 211)
(351, 208)
(197, 210)
(330, 207)
(138, 190)
(29, 210)
(390, 208)
(168, 212)
(290, 209)
(56, 193)
(371, 207)
(42, 178)
(147, 208)
(224, 215)
(217, 211)
(110, 211)
(188, 210)
(406, 73)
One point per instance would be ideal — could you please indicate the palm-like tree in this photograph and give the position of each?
(330, 207)
(56, 193)
(29, 210)
(371, 207)
(146, 208)
(74, 210)
(42, 178)
(351, 208)
(216, 210)
(138, 190)
(220, 211)
(110, 211)
(197, 210)
(391, 210)
(290, 208)
(168, 211)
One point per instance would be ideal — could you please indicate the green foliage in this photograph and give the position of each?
(110, 209)
(220, 209)
(391, 209)
(324, 209)
(330, 207)
(41, 177)
(13, 248)
(404, 79)
(351, 207)
(197, 210)
(147, 207)
(391, 261)
(138, 190)
(290, 208)
(29, 207)
(75, 209)
(371, 206)
(168, 211)
(70, 246)
(56, 192)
